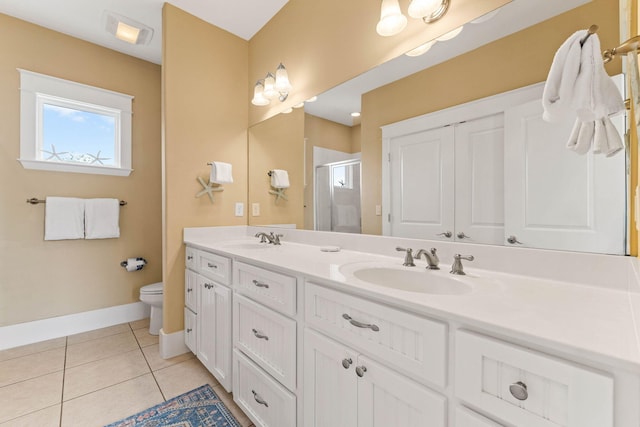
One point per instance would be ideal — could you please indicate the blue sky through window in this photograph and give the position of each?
(71, 135)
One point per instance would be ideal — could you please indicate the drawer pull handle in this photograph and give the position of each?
(360, 370)
(189, 257)
(260, 284)
(211, 265)
(346, 363)
(189, 330)
(259, 399)
(208, 286)
(360, 324)
(259, 335)
(519, 390)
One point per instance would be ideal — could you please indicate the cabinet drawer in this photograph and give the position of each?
(411, 344)
(215, 267)
(491, 373)
(468, 418)
(191, 290)
(272, 289)
(190, 332)
(190, 260)
(265, 401)
(266, 337)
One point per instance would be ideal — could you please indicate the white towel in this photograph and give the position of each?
(64, 218)
(101, 218)
(279, 178)
(221, 173)
(600, 134)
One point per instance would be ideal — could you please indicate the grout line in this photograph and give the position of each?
(164, 398)
(64, 371)
(104, 388)
(31, 354)
(29, 413)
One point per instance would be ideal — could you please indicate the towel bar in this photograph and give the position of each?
(35, 201)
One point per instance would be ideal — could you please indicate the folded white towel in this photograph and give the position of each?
(600, 134)
(558, 94)
(221, 173)
(595, 94)
(64, 218)
(101, 218)
(279, 178)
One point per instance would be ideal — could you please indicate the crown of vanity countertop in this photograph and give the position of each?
(595, 322)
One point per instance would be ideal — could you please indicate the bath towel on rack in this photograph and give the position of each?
(64, 218)
(279, 178)
(221, 173)
(102, 217)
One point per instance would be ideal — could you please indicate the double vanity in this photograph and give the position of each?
(329, 329)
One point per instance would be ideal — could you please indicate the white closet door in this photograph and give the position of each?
(555, 198)
(479, 202)
(422, 194)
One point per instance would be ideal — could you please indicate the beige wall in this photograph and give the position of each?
(324, 43)
(518, 60)
(41, 279)
(205, 115)
(277, 143)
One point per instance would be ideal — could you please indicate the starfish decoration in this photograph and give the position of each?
(54, 153)
(208, 189)
(97, 158)
(279, 193)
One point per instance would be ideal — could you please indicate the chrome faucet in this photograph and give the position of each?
(271, 238)
(408, 258)
(456, 267)
(431, 257)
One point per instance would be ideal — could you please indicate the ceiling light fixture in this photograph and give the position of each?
(272, 87)
(126, 29)
(422, 49)
(392, 21)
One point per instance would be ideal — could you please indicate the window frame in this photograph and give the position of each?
(36, 90)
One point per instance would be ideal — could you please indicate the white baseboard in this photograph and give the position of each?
(172, 345)
(55, 327)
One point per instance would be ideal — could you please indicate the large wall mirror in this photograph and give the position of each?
(335, 161)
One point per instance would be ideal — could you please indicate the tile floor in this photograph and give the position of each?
(96, 378)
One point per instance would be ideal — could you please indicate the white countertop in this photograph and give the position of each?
(586, 322)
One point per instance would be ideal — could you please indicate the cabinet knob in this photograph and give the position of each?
(189, 257)
(360, 370)
(189, 330)
(259, 399)
(208, 286)
(461, 235)
(513, 240)
(189, 289)
(446, 234)
(346, 363)
(519, 390)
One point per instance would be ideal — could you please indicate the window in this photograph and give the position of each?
(343, 176)
(70, 127)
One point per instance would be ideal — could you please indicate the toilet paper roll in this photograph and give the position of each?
(134, 264)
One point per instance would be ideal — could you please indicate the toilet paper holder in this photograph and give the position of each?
(133, 264)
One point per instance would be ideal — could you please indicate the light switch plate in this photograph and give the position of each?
(255, 209)
(239, 209)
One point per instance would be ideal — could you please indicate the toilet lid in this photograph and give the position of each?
(154, 288)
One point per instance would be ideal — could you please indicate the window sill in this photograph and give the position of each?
(73, 167)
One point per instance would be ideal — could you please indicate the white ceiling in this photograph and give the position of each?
(83, 18)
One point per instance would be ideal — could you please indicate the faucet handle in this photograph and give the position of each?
(262, 236)
(408, 258)
(456, 267)
(275, 238)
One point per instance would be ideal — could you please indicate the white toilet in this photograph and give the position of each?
(152, 295)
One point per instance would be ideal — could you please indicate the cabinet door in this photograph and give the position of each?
(191, 290)
(386, 398)
(330, 388)
(555, 198)
(214, 330)
(190, 331)
(422, 194)
(479, 153)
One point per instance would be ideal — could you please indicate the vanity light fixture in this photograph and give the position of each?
(300, 105)
(287, 111)
(422, 49)
(355, 114)
(272, 87)
(392, 21)
(126, 29)
(451, 34)
(312, 99)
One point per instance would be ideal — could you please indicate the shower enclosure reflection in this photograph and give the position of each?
(337, 190)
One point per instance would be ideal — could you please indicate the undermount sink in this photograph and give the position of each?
(412, 280)
(247, 245)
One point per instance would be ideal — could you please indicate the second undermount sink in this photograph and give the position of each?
(247, 245)
(412, 280)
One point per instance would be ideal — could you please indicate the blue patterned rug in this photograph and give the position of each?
(197, 408)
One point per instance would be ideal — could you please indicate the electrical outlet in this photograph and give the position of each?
(239, 209)
(378, 210)
(255, 209)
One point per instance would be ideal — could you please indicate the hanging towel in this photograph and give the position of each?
(600, 134)
(558, 94)
(101, 218)
(279, 178)
(220, 173)
(64, 218)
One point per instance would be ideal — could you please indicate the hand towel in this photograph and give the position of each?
(279, 178)
(581, 137)
(614, 140)
(558, 93)
(595, 94)
(101, 218)
(600, 134)
(64, 218)
(221, 173)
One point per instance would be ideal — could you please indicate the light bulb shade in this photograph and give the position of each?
(392, 21)
(422, 8)
(422, 49)
(270, 86)
(451, 34)
(282, 84)
(258, 95)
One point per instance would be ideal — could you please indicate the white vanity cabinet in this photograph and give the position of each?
(208, 304)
